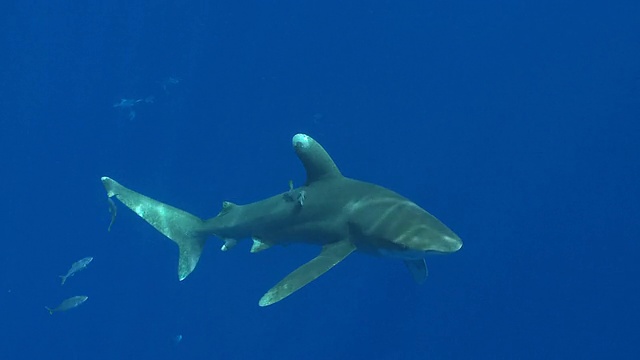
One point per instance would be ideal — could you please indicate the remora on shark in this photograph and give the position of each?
(338, 213)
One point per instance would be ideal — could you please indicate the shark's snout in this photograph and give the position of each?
(454, 243)
(301, 140)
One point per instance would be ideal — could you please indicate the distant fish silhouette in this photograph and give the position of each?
(75, 267)
(67, 304)
(166, 83)
(130, 103)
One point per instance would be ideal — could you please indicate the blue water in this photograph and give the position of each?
(516, 123)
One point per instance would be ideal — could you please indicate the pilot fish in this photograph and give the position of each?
(67, 304)
(75, 267)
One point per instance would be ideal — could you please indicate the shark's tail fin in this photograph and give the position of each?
(64, 278)
(50, 310)
(178, 225)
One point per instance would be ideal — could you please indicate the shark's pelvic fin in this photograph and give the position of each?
(178, 225)
(418, 269)
(314, 158)
(330, 255)
(258, 245)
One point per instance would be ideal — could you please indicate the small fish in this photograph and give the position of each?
(75, 267)
(67, 304)
(295, 195)
(301, 196)
(126, 103)
(113, 210)
(166, 83)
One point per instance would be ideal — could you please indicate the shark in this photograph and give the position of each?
(335, 212)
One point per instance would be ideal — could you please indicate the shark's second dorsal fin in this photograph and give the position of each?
(315, 159)
(226, 206)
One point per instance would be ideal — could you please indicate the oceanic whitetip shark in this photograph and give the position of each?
(338, 213)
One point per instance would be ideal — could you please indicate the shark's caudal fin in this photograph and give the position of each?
(63, 279)
(178, 225)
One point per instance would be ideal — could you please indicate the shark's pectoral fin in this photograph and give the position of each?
(418, 269)
(178, 225)
(330, 255)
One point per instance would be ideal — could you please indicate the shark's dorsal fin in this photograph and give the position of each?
(315, 159)
(330, 255)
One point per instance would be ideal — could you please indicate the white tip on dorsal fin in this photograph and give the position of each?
(314, 158)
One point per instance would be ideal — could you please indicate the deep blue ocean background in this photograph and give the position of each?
(517, 123)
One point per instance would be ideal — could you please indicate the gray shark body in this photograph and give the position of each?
(330, 210)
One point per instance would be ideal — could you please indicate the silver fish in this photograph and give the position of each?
(75, 267)
(67, 304)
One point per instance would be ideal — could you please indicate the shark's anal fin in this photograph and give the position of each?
(418, 269)
(330, 255)
(228, 244)
(178, 225)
